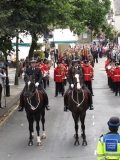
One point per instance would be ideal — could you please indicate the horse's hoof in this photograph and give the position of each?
(30, 144)
(84, 143)
(76, 143)
(39, 143)
(43, 136)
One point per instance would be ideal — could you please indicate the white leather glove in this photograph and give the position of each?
(72, 85)
(36, 84)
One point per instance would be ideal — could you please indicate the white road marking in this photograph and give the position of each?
(95, 152)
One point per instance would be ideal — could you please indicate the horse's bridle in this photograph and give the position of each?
(78, 104)
(31, 95)
(29, 101)
(74, 89)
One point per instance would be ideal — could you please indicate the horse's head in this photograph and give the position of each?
(78, 79)
(30, 85)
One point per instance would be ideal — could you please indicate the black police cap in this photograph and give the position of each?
(114, 122)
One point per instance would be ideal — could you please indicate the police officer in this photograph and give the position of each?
(108, 146)
(38, 83)
(116, 78)
(76, 66)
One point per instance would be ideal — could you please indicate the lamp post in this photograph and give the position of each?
(112, 23)
(7, 79)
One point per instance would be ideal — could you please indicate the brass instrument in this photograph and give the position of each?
(46, 76)
(62, 71)
(108, 67)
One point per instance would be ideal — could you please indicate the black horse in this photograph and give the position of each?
(35, 109)
(78, 104)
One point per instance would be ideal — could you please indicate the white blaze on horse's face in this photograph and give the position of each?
(78, 81)
(29, 83)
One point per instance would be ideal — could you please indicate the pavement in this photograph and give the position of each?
(15, 90)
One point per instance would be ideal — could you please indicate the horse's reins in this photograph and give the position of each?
(29, 100)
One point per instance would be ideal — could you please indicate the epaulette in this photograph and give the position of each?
(101, 136)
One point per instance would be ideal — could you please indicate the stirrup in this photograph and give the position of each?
(66, 109)
(91, 107)
(20, 109)
(47, 107)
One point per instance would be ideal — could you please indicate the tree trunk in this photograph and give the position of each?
(17, 66)
(91, 36)
(33, 45)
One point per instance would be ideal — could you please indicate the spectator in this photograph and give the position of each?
(100, 51)
(20, 69)
(1, 64)
(14, 60)
(46, 53)
(95, 55)
(26, 63)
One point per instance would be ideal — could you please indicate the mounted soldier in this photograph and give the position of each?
(33, 70)
(76, 67)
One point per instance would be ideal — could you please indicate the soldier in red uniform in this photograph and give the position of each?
(40, 65)
(58, 78)
(116, 78)
(47, 71)
(107, 68)
(88, 74)
(64, 68)
(45, 68)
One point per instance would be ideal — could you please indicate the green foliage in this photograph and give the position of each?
(39, 53)
(6, 45)
(39, 45)
(36, 17)
(118, 34)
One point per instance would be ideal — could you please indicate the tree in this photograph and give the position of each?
(36, 17)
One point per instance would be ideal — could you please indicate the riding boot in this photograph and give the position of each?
(45, 97)
(46, 100)
(21, 105)
(91, 107)
(66, 101)
(90, 101)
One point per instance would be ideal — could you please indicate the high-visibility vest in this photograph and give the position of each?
(108, 147)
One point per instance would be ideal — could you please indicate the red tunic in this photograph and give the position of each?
(41, 66)
(87, 73)
(57, 75)
(116, 74)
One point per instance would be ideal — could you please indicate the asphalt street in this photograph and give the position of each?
(59, 144)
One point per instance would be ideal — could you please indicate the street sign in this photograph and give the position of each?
(46, 41)
(48, 36)
(84, 35)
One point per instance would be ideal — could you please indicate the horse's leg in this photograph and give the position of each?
(43, 124)
(30, 120)
(82, 119)
(37, 118)
(75, 117)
